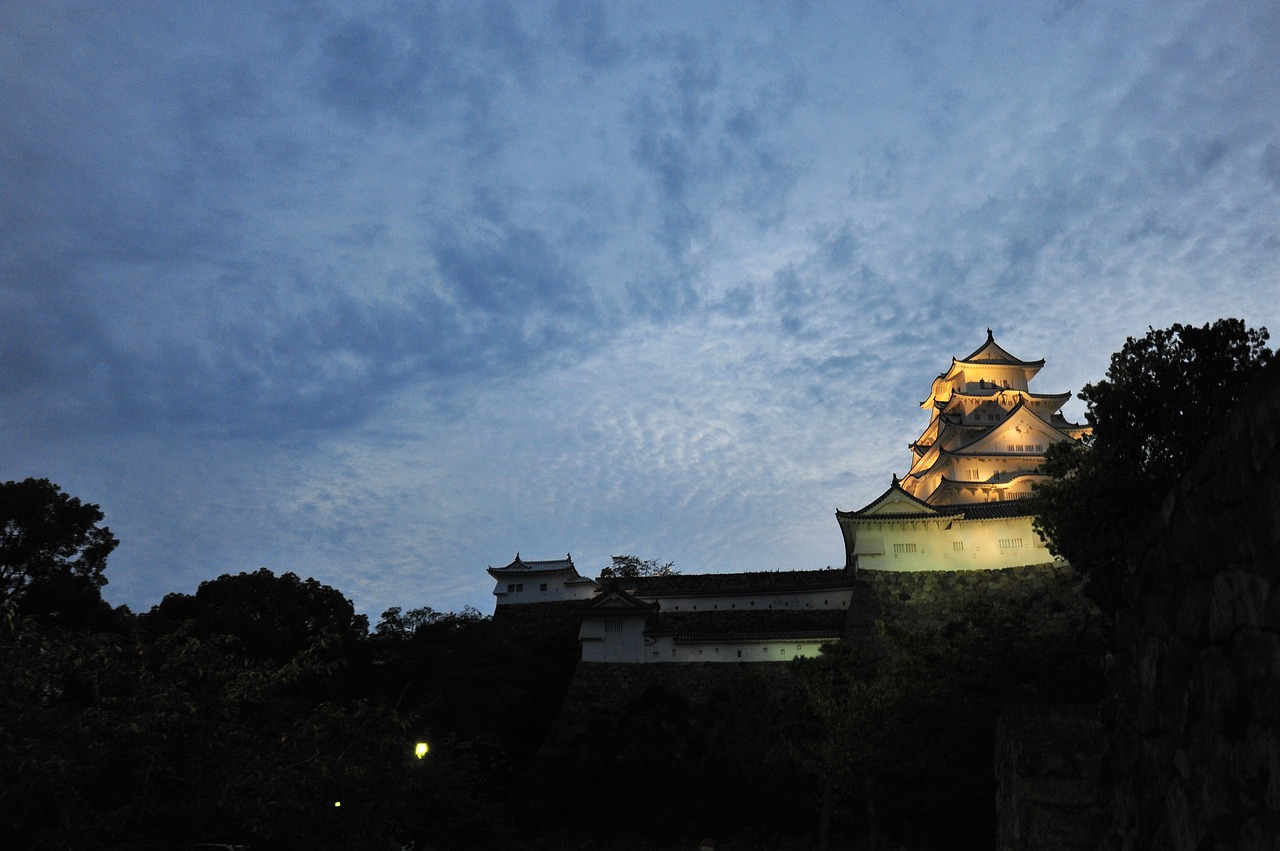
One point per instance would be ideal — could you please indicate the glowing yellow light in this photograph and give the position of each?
(420, 750)
(337, 803)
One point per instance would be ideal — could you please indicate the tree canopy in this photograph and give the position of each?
(1163, 398)
(246, 711)
(53, 552)
(274, 617)
(630, 567)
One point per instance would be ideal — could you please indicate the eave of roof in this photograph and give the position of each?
(1007, 359)
(1021, 406)
(1011, 361)
(895, 486)
(527, 571)
(1002, 478)
(744, 637)
(523, 567)
(714, 584)
(996, 391)
(952, 513)
(1024, 507)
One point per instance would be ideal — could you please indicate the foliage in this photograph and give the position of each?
(241, 714)
(712, 766)
(852, 701)
(630, 567)
(244, 712)
(1166, 394)
(400, 624)
(273, 617)
(113, 741)
(52, 554)
(1163, 398)
(898, 733)
(470, 680)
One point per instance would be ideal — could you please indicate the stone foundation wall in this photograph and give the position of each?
(1050, 594)
(1197, 740)
(541, 621)
(1049, 764)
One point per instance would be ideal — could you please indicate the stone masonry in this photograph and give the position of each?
(1196, 748)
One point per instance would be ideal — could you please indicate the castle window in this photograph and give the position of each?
(958, 546)
(739, 654)
(655, 654)
(542, 587)
(514, 587)
(1010, 543)
(903, 548)
(613, 625)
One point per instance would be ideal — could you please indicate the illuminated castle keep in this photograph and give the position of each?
(961, 507)
(961, 503)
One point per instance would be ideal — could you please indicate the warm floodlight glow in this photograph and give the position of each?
(420, 750)
(337, 803)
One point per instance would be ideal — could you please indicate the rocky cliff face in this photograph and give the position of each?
(1196, 745)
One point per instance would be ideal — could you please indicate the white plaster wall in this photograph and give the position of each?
(935, 545)
(532, 590)
(993, 373)
(666, 649)
(601, 644)
(837, 598)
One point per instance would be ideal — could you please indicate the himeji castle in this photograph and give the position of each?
(963, 501)
(964, 504)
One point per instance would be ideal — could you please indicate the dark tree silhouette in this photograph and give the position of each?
(274, 617)
(1163, 398)
(629, 567)
(52, 555)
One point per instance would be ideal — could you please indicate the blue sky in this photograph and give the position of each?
(382, 293)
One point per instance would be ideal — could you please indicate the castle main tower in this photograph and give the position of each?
(962, 504)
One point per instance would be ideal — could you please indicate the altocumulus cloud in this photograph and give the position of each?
(383, 292)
